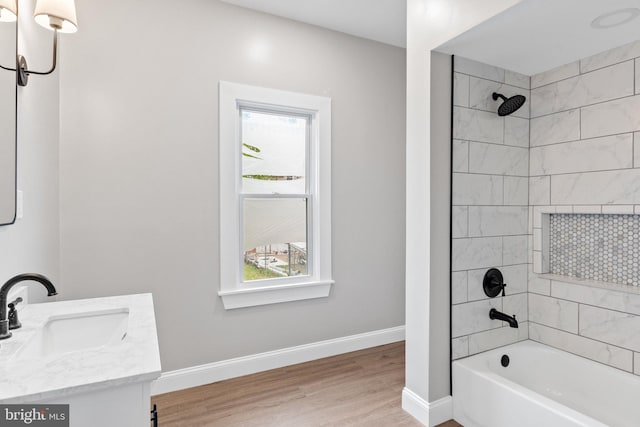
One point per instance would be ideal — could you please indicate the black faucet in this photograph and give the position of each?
(4, 292)
(495, 314)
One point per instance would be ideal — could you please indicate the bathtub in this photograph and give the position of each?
(542, 387)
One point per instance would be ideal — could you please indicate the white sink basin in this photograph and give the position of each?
(77, 332)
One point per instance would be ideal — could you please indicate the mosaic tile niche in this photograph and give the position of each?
(605, 248)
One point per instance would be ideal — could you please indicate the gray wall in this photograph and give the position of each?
(439, 331)
(584, 159)
(490, 210)
(139, 169)
(31, 244)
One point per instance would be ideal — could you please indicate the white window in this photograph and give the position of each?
(275, 196)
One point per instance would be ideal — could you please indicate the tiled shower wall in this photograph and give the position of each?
(585, 158)
(490, 213)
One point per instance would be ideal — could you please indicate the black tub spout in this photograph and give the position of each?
(495, 314)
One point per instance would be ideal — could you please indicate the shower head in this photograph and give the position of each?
(510, 105)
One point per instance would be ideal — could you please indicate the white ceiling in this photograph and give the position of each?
(531, 37)
(538, 35)
(380, 20)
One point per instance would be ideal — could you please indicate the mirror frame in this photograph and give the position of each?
(15, 134)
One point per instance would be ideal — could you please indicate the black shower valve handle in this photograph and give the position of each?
(493, 283)
(497, 283)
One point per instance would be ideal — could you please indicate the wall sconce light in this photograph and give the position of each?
(56, 15)
(8, 11)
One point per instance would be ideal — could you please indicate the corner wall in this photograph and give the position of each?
(32, 243)
(139, 169)
(585, 158)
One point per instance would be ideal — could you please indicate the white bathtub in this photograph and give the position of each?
(542, 387)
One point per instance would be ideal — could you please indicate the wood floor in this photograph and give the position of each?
(362, 388)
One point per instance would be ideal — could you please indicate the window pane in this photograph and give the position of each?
(273, 153)
(275, 238)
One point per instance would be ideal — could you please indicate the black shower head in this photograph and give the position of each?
(510, 105)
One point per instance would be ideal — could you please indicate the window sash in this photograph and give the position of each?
(310, 241)
(310, 179)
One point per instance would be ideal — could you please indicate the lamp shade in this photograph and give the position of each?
(8, 11)
(57, 15)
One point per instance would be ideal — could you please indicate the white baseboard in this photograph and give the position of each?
(429, 414)
(218, 371)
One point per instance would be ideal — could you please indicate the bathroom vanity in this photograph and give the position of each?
(97, 355)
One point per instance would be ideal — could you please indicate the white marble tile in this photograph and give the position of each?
(516, 131)
(611, 118)
(473, 317)
(537, 262)
(497, 220)
(605, 84)
(537, 239)
(538, 285)
(539, 213)
(516, 278)
(495, 338)
(461, 90)
(478, 69)
(636, 149)
(475, 125)
(594, 350)
(636, 363)
(516, 191)
(606, 153)
(553, 312)
(617, 209)
(516, 79)
(481, 96)
(459, 221)
(603, 188)
(636, 209)
(564, 209)
(540, 190)
(515, 249)
(587, 209)
(559, 73)
(476, 253)
(613, 327)
(610, 57)
(554, 128)
(459, 287)
(460, 156)
(637, 62)
(475, 290)
(516, 304)
(606, 298)
(459, 347)
(498, 159)
(477, 189)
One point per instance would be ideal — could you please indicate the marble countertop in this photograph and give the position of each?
(135, 359)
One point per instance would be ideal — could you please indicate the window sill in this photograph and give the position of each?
(263, 295)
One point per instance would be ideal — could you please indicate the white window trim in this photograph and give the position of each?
(235, 293)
